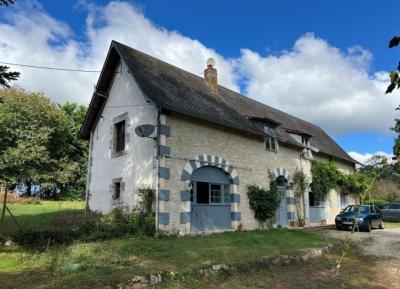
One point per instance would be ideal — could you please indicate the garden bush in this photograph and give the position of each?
(263, 202)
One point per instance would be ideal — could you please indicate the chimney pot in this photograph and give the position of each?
(210, 75)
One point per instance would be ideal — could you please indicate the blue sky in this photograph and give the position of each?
(256, 43)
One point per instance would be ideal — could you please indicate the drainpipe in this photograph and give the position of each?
(304, 197)
(157, 157)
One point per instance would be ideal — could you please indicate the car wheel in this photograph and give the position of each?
(382, 225)
(338, 227)
(369, 227)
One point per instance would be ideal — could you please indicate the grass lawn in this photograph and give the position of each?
(116, 260)
(49, 215)
(357, 272)
(119, 259)
(392, 225)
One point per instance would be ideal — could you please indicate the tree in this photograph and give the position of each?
(6, 2)
(6, 76)
(395, 83)
(38, 143)
(394, 75)
(77, 152)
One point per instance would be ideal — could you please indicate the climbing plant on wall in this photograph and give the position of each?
(325, 176)
(263, 202)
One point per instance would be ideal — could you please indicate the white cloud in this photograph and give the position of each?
(365, 157)
(31, 36)
(313, 80)
(322, 84)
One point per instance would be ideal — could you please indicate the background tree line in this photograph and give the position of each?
(40, 153)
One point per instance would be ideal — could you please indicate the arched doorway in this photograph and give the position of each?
(210, 199)
(281, 214)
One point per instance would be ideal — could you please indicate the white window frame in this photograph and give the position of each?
(223, 193)
(268, 147)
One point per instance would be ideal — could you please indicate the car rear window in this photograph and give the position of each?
(395, 206)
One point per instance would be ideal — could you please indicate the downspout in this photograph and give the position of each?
(157, 157)
(304, 197)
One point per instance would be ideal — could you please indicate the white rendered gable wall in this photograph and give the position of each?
(137, 166)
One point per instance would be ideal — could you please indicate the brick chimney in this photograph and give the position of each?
(210, 75)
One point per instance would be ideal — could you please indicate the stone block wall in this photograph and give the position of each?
(191, 141)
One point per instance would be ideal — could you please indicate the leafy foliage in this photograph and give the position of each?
(354, 184)
(6, 2)
(394, 75)
(325, 176)
(7, 76)
(263, 202)
(39, 145)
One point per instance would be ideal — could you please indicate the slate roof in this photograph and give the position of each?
(177, 90)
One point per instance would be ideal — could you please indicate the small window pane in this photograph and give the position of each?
(227, 194)
(202, 193)
(270, 143)
(216, 194)
(273, 147)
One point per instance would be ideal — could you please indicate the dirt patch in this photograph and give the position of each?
(390, 272)
(380, 243)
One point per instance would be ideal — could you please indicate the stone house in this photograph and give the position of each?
(209, 143)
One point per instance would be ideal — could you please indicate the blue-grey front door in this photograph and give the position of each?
(210, 217)
(210, 199)
(281, 214)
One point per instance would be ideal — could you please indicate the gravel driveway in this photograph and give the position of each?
(381, 243)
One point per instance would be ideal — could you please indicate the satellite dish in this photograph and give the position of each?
(211, 61)
(144, 130)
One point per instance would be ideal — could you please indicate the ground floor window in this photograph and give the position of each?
(210, 193)
(314, 201)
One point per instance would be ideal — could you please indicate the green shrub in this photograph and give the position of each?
(263, 202)
(135, 221)
(149, 228)
(117, 216)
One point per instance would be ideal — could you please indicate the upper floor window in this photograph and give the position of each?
(305, 140)
(119, 136)
(270, 143)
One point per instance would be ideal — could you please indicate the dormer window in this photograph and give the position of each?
(305, 140)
